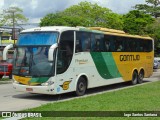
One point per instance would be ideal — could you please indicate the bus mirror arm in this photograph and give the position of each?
(6, 50)
(14, 46)
(51, 52)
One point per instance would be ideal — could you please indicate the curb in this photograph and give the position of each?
(5, 82)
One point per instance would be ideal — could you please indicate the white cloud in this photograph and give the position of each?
(123, 6)
(34, 4)
(1, 5)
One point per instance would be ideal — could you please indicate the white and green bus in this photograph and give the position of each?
(56, 60)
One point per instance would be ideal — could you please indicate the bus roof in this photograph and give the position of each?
(50, 28)
(118, 32)
(91, 29)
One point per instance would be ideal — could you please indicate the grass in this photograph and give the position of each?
(145, 97)
(138, 98)
(5, 79)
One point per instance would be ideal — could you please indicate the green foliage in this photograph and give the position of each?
(135, 22)
(153, 30)
(6, 34)
(13, 12)
(1, 20)
(152, 7)
(58, 19)
(84, 14)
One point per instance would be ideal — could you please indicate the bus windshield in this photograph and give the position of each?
(32, 61)
(37, 38)
(31, 54)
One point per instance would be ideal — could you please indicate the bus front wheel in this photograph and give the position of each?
(134, 78)
(81, 86)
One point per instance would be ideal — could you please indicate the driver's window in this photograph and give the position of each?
(65, 51)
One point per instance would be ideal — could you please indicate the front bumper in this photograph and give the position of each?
(34, 89)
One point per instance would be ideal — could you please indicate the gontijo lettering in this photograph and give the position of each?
(129, 57)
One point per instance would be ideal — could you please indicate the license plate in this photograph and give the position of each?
(29, 89)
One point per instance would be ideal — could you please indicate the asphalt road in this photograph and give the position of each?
(15, 101)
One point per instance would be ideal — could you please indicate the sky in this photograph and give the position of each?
(34, 10)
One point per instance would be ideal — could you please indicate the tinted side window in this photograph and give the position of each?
(83, 41)
(65, 51)
(93, 42)
(110, 43)
(148, 46)
(99, 42)
(127, 44)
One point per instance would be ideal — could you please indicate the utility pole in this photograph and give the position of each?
(13, 33)
(0, 38)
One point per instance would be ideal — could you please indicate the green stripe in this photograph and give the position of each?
(39, 80)
(105, 65)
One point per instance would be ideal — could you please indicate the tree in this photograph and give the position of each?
(1, 20)
(135, 22)
(59, 19)
(84, 14)
(152, 7)
(153, 31)
(13, 15)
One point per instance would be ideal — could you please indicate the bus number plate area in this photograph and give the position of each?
(29, 89)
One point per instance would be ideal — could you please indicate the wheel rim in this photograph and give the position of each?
(81, 87)
(141, 76)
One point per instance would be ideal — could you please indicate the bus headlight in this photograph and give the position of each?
(16, 82)
(48, 83)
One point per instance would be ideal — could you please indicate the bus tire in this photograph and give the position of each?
(140, 76)
(134, 78)
(81, 86)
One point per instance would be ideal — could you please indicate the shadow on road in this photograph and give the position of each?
(52, 98)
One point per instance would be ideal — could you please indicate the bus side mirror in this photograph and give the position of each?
(51, 52)
(6, 50)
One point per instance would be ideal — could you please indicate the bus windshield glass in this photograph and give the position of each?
(32, 61)
(31, 54)
(37, 38)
